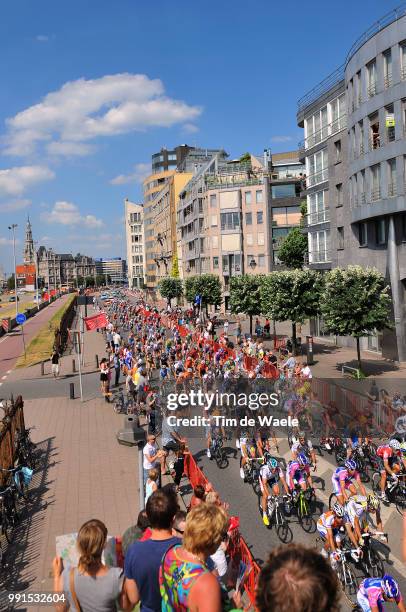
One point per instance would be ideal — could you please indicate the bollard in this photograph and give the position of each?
(73, 365)
(96, 357)
(42, 368)
(72, 390)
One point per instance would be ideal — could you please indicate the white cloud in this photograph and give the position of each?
(67, 213)
(7, 241)
(15, 181)
(281, 138)
(69, 149)
(190, 128)
(14, 205)
(141, 171)
(85, 109)
(42, 38)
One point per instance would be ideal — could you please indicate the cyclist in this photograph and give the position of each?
(391, 460)
(296, 472)
(373, 592)
(302, 445)
(248, 450)
(358, 509)
(269, 476)
(329, 526)
(346, 478)
(213, 431)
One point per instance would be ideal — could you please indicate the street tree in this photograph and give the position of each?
(291, 295)
(175, 266)
(293, 249)
(170, 288)
(245, 295)
(190, 291)
(355, 302)
(208, 286)
(89, 281)
(11, 283)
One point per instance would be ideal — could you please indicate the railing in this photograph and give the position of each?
(376, 27)
(375, 194)
(327, 130)
(390, 134)
(374, 142)
(372, 90)
(323, 87)
(387, 80)
(318, 177)
(392, 189)
(313, 218)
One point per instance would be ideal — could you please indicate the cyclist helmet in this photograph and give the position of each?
(301, 435)
(395, 444)
(351, 465)
(373, 501)
(302, 459)
(390, 586)
(271, 463)
(338, 510)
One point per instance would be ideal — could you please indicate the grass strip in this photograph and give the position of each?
(40, 347)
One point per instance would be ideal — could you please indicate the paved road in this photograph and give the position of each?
(11, 345)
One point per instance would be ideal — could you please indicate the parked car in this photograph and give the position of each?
(12, 298)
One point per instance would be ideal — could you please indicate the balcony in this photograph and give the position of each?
(335, 126)
(314, 218)
(319, 257)
(375, 194)
(317, 177)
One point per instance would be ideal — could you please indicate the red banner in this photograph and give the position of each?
(45, 297)
(96, 321)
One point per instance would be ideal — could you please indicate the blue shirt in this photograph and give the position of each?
(142, 563)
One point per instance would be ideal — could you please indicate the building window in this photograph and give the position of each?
(248, 218)
(249, 259)
(339, 194)
(260, 217)
(213, 200)
(172, 157)
(363, 234)
(402, 48)
(230, 220)
(248, 197)
(358, 90)
(337, 151)
(214, 220)
(318, 211)
(261, 261)
(286, 215)
(371, 79)
(215, 262)
(387, 68)
(340, 238)
(249, 239)
(283, 191)
(319, 245)
(391, 165)
(374, 137)
(258, 197)
(215, 242)
(317, 168)
(381, 232)
(375, 183)
(389, 123)
(261, 239)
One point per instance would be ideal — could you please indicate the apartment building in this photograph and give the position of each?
(354, 147)
(135, 244)
(114, 268)
(171, 171)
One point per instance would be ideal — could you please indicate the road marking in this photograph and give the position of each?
(4, 377)
(8, 371)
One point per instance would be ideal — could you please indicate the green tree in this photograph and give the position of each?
(291, 295)
(89, 281)
(293, 249)
(355, 302)
(190, 291)
(208, 286)
(246, 157)
(175, 266)
(170, 288)
(79, 281)
(10, 283)
(245, 295)
(101, 279)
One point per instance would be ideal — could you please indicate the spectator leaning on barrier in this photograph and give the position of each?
(143, 559)
(92, 586)
(186, 582)
(297, 579)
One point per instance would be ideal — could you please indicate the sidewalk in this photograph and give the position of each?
(84, 473)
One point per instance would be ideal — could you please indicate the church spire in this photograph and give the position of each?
(29, 244)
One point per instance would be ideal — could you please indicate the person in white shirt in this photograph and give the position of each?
(116, 339)
(306, 372)
(151, 456)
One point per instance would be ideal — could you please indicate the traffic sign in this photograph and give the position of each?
(21, 318)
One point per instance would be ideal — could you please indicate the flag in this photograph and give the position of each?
(96, 321)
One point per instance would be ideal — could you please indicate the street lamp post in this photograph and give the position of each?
(36, 275)
(12, 228)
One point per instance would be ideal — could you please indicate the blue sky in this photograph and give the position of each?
(91, 88)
